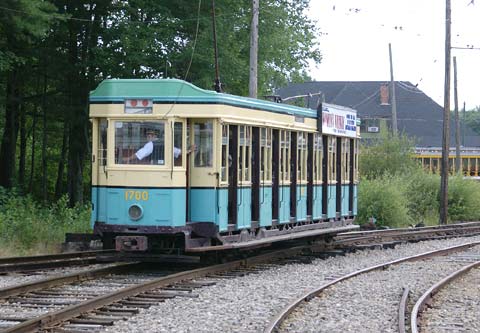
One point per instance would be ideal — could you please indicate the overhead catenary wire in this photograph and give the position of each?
(191, 60)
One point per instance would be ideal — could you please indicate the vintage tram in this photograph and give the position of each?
(176, 167)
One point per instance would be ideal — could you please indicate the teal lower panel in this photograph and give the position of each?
(301, 203)
(284, 204)
(93, 216)
(203, 205)
(355, 198)
(345, 197)
(160, 207)
(332, 201)
(317, 203)
(244, 207)
(265, 206)
(222, 214)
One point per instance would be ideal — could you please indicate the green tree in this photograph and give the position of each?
(387, 155)
(23, 23)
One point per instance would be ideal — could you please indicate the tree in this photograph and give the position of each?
(21, 25)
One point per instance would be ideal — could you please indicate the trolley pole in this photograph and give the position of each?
(446, 119)
(217, 85)
(392, 88)
(252, 83)
(458, 160)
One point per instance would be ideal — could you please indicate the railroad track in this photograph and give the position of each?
(43, 262)
(87, 310)
(390, 237)
(434, 312)
(302, 314)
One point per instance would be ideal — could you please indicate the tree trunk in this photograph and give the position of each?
(44, 140)
(23, 149)
(61, 164)
(9, 140)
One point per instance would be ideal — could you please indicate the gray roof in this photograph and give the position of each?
(418, 115)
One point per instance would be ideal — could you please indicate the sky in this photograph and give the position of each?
(355, 35)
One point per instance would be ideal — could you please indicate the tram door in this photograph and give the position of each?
(205, 200)
(232, 175)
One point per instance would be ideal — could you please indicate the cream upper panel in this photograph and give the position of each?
(227, 113)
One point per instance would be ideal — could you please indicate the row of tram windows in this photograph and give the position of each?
(287, 140)
(137, 142)
(145, 143)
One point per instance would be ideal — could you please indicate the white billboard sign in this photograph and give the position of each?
(339, 121)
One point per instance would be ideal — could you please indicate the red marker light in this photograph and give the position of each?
(133, 103)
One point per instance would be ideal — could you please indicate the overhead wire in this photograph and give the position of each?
(190, 63)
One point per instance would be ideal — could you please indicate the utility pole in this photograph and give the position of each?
(446, 119)
(217, 85)
(392, 89)
(463, 124)
(457, 120)
(252, 83)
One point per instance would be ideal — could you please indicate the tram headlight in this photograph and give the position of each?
(135, 212)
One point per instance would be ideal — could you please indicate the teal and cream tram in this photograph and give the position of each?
(178, 167)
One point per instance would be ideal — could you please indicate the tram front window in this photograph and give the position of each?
(139, 142)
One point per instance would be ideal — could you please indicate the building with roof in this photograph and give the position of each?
(418, 116)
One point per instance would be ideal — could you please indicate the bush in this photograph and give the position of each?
(387, 155)
(25, 224)
(384, 199)
(463, 199)
(422, 192)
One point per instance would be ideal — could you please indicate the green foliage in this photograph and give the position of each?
(402, 194)
(422, 192)
(387, 155)
(472, 119)
(384, 199)
(24, 223)
(463, 199)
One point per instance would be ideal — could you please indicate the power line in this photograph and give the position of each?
(191, 59)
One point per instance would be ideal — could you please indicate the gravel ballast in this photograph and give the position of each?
(246, 304)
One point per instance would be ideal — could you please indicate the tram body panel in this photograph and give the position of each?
(332, 201)
(284, 204)
(265, 206)
(301, 203)
(355, 200)
(345, 200)
(317, 203)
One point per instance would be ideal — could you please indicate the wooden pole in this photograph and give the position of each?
(446, 120)
(392, 89)
(458, 161)
(252, 83)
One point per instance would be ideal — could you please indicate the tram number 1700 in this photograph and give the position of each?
(136, 195)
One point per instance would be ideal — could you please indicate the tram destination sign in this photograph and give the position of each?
(339, 121)
(138, 106)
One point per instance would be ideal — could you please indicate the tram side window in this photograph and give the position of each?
(244, 151)
(266, 154)
(102, 144)
(139, 142)
(285, 140)
(302, 157)
(332, 159)
(177, 144)
(317, 157)
(355, 161)
(225, 157)
(345, 160)
(204, 144)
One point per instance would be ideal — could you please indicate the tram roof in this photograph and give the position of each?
(179, 91)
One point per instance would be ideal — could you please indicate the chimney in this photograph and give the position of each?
(384, 94)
